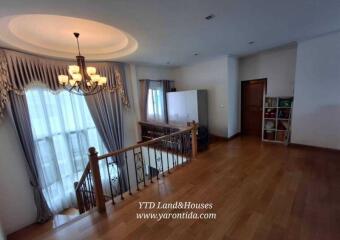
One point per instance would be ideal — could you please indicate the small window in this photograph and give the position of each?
(155, 102)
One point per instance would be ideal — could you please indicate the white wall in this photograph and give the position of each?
(211, 75)
(153, 73)
(2, 234)
(234, 97)
(316, 113)
(131, 115)
(17, 208)
(277, 65)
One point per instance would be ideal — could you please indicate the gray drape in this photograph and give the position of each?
(18, 109)
(106, 108)
(24, 69)
(166, 87)
(107, 114)
(143, 98)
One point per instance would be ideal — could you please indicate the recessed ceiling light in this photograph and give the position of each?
(209, 17)
(251, 42)
(168, 63)
(196, 54)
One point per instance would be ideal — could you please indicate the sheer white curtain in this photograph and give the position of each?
(63, 131)
(155, 110)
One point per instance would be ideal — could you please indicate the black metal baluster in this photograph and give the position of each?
(134, 159)
(167, 154)
(108, 173)
(154, 149)
(189, 146)
(128, 173)
(91, 189)
(119, 177)
(143, 166)
(150, 173)
(182, 147)
(177, 149)
(172, 151)
(87, 193)
(161, 152)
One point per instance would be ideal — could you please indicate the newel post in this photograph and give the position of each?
(97, 183)
(193, 125)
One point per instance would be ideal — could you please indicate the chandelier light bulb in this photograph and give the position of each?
(103, 80)
(63, 79)
(72, 82)
(77, 77)
(91, 70)
(95, 78)
(73, 69)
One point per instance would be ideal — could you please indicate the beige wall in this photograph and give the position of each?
(17, 208)
(213, 75)
(316, 112)
(277, 65)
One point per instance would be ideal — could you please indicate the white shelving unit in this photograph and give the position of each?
(276, 123)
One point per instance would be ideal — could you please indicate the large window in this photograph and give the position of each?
(63, 130)
(155, 107)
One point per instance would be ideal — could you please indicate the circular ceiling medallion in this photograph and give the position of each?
(52, 35)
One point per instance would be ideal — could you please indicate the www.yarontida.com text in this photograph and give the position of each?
(192, 211)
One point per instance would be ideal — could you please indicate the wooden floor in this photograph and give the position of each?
(259, 191)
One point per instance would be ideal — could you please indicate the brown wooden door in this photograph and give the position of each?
(252, 93)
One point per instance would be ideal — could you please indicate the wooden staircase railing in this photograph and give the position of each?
(134, 167)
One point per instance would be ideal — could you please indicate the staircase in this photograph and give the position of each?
(131, 169)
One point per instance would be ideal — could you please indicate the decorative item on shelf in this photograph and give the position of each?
(284, 113)
(269, 135)
(285, 102)
(271, 102)
(282, 125)
(269, 124)
(281, 136)
(83, 80)
(277, 113)
(270, 113)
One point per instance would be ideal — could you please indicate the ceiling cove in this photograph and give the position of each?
(52, 35)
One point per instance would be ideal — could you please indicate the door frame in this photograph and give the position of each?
(243, 83)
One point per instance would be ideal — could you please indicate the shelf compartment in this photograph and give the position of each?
(281, 136)
(269, 135)
(270, 113)
(285, 102)
(270, 102)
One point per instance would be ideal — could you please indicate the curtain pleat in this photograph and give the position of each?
(22, 70)
(143, 98)
(107, 115)
(20, 117)
(166, 87)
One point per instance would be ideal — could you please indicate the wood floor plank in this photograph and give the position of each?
(259, 191)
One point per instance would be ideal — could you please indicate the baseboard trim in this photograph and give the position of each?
(298, 145)
(215, 138)
(236, 135)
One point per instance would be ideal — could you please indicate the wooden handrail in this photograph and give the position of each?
(90, 181)
(115, 153)
(163, 125)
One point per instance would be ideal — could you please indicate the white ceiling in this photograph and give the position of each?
(172, 30)
(53, 35)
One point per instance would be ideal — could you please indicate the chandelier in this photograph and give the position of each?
(83, 80)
